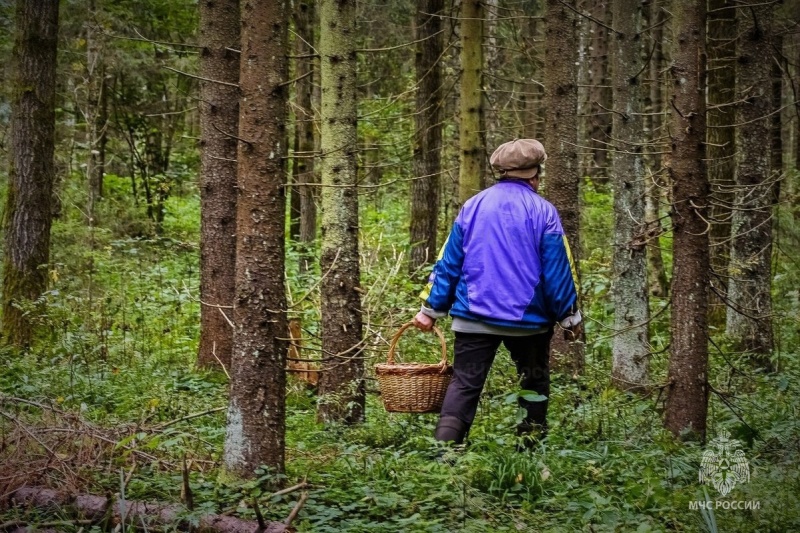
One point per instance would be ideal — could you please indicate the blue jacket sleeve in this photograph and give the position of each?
(440, 294)
(559, 282)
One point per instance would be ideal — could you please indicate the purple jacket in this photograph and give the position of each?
(506, 261)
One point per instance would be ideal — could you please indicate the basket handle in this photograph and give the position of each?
(396, 339)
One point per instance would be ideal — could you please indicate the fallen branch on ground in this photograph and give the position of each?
(98, 509)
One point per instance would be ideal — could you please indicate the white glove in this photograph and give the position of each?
(572, 320)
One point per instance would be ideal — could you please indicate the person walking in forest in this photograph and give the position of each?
(505, 275)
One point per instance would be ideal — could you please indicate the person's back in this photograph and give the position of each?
(502, 232)
(506, 262)
(505, 276)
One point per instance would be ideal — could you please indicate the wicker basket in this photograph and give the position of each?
(413, 387)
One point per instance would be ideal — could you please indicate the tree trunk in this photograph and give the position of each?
(304, 126)
(31, 174)
(427, 134)
(341, 385)
(687, 399)
(749, 320)
(256, 413)
(219, 120)
(95, 113)
(471, 135)
(560, 180)
(721, 143)
(493, 93)
(599, 90)
(630, 347)
(789, 116)
(534, 111)
(654, 126)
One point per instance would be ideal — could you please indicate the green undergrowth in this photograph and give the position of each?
(116, 349)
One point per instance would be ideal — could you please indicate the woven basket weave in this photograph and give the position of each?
(413, 387)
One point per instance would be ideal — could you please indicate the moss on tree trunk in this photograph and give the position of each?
(341, 385)
(471, 137)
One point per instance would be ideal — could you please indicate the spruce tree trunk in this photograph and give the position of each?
(721, 144)
(341, 384)
(304, 125)
(749, 321)
(654, 126)
(95, 111)
(256, 412)
(471, 137)
(788, 105)
(27, 217)
(687, 395)
(533, 90)
(630, 347)
(219, 122)
(561, 177)
(494, 133)
(427, 134)
(599, 92)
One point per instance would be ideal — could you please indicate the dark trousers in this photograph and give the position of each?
(474, 355)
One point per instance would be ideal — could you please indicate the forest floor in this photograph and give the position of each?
(108, 401)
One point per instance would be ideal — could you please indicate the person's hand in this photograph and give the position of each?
(573, 333)
(424, 322)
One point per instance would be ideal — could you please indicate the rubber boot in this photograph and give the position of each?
(531, 434)
(451, 429)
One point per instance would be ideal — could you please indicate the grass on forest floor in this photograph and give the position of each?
(114, 368)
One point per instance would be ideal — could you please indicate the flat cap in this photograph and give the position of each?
(519, 158)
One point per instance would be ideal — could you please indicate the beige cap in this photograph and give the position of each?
(519, 158)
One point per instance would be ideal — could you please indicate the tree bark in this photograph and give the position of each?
(427, 134)
(493, 93)
(341, 385)
(95, 113)
(304, 125)
(256, 412)
(749, 317)
(599, 90)
(471, 135)
(560, 181)
(219, 120)
(687, 399)
(534, 111)
(630, 349)
(31, 174)
(654, 126)
(721, 143)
